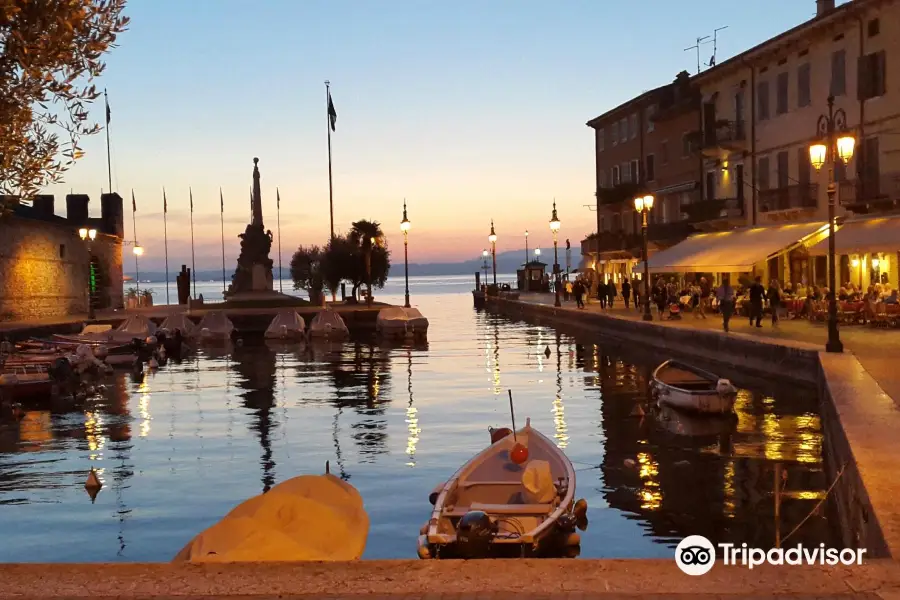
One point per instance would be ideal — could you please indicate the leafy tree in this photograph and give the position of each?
(50, 51)
(368, 237)
(338, 263)
(306, 269)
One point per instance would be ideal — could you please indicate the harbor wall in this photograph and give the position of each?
(854, 444)
(44, 269)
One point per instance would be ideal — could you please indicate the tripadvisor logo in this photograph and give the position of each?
(696, 555)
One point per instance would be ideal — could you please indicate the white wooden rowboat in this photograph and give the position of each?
(495, 507)
(688, 388)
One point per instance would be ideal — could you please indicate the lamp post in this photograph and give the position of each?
(88, 235)
(372, 241)
(834, 143)
(554, 227)
(643, 204)
(138, 252)
(492, 238)
(404, 227)
(526, 247)
(484, 255)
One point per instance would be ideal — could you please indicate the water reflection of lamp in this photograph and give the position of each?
(559, 414)
(412, 419)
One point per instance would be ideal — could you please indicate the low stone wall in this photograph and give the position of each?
(733, 351)
(860, 422)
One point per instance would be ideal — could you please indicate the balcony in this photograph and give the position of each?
(792, 197)
(623, 192)
(713, 210)
(726, 138)
(871, 194)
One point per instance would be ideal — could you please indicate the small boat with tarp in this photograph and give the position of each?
(400, 322)
(214, 327)
(287, 325)
(328, 324)
(689, 388)
(516, 498)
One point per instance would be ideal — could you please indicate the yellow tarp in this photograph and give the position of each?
(311, 517)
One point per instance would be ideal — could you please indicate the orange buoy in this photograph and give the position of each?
(499, 434)
(519, 454)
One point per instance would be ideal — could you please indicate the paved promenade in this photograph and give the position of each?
(877, 349)
(476, 579)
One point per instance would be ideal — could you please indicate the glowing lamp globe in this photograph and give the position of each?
(138, 251)
(817, 155)
(845, 145)
(83, 232)
(519, 454)
(405, 225)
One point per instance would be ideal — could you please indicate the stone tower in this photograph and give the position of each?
(254, 268)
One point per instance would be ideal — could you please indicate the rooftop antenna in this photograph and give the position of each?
(697, 48)
(712, 60)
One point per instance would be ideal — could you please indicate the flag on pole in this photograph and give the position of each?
(191, 192)
(108, 112)
(332, 114)
(278, 198)
(221, 202)
(133, 202)
(165, 202)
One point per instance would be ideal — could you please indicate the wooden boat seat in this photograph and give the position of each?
(512, 509)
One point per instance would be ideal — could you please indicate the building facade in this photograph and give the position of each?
(760, 113)
(46, 268)
(641, 147)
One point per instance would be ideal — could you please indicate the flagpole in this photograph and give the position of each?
(137, 271)
(328, 128)
(166, 242)
(278, 213)
(108, 153)
(193, 258)
(222, 220)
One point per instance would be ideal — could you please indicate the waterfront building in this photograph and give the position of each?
(639, 146)
(46, 269)
(754, 117)
(759, 116)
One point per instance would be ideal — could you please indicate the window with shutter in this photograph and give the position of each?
(762, 100)
(636, 171)
(650, 170)
(781, 94)
(762, 173)
(616, 176)
(838, 73)
(804, 173)
(782, 162)
(804, 97)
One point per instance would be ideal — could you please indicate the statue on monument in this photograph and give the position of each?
(254, 268)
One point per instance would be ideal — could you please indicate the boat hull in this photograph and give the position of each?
(690, 389)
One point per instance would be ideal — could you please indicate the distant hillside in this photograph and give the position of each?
(507, 262)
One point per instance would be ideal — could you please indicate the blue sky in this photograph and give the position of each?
(469, 109)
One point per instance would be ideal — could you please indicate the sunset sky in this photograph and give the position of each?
(468, 109)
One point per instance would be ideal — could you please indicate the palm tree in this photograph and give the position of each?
(367, 235)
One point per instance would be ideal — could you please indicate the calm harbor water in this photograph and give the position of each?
(178, 448)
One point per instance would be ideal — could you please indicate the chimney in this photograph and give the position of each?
(823, 7)
(77, 209)
(111, 214)
(42, 206)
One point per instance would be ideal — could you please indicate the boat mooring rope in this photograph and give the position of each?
(816, 507)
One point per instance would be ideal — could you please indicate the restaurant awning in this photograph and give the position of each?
(881, 234)
(734, 251)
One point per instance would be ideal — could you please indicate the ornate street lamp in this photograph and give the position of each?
(554, 227)
(88, 235)
(138, 252)
(492, 238)
(404, 227)
(835, 143)
(643, 204)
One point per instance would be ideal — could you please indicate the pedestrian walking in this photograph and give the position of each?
(725, 296)
(567, 291)
(626, 293)
(636, 290)
(757, 295)
(601, 293)
(610, 293)
(705, 296)
(578, 289)
(773, 294)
